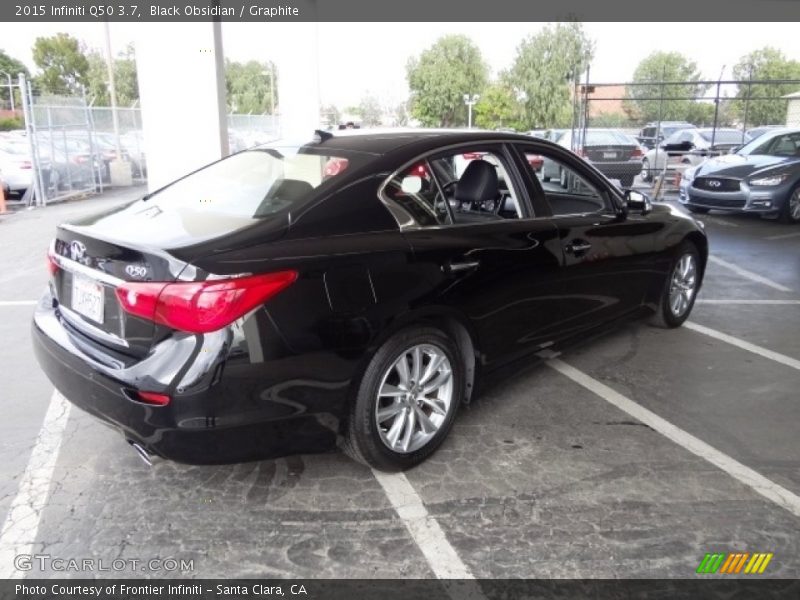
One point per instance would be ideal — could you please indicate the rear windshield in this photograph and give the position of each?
(256, 183)
(723, 136)
(607, 138)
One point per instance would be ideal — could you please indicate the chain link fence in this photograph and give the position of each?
(67, 146)
(647, 134)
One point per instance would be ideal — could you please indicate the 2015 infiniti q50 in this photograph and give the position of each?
(354, 290)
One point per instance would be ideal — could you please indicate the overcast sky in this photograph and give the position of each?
(360, 58)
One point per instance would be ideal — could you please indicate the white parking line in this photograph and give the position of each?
(734, 341)
(755, 302)
(18, 535)
(17, 302)
(748, 274)
(425, 529)
(760, 484)
(783, 236)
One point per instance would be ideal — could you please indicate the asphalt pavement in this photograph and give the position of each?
(631, 457)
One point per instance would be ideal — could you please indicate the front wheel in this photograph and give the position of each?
(646, 170)
(791, 210)
(680, 288)
(407, 400)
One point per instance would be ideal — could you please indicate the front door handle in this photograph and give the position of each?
(577, 247)
(460, 266)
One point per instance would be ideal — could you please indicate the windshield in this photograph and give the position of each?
(782, 144)
(723, 136)
(253, 184)
(606, 137)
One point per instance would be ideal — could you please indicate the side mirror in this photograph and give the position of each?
(637, 202)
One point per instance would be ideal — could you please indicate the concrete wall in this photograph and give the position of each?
(182, 90)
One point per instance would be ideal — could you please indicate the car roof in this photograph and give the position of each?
(386, 141)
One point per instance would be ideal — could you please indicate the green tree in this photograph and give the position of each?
(767, 63)
(331, 115)
(125, 78)
(642, 102)
(544, 70)
(439, 78)
(11, 66)
(499, 107)
(370, 111)
(249, 86)
(62, 62)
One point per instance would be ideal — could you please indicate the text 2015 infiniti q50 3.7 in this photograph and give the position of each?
(352, 291)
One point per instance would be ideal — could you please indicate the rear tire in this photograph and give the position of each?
(646, 175)
(419, 404)
(680, 288)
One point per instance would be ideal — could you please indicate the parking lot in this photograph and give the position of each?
(630, 458)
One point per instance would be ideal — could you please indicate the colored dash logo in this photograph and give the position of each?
(735, 563)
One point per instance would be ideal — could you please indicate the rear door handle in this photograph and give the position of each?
(577, 247)
(456, 266)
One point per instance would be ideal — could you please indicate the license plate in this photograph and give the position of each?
(609, 155)
(87, 298)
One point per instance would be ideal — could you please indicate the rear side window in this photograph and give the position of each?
(253, 184)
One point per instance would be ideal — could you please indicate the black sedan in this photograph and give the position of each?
(351, 291)
(762, 177)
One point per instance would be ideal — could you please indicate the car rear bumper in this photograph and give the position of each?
(617, 170)
(221, 410)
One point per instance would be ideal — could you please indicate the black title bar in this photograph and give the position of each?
(400, 10)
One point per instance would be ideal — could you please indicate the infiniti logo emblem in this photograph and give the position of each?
(714, 183)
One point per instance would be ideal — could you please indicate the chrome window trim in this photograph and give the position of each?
(75, 267)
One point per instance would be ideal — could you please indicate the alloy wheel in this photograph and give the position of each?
(683, 285)
(794, 205)
(414, 398)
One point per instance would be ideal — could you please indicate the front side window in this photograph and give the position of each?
(566, 190)
(464, 186)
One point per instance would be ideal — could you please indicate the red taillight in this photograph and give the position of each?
(153, 398)
(637, 153)
(25, 164)
(473, 155)
(52, 265)
(203, 306)
(79, 160)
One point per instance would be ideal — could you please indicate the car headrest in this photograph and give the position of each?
(478, 183)
(288, 190)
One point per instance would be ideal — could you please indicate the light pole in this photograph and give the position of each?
(10, 89)
(271, 74)
(470, 101)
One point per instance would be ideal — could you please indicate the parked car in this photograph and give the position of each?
(653, 134)
(257, 307)
(617, 155)
(761, 177)
(759, 131)
(17, 167)
(133, 141)
(689, 147)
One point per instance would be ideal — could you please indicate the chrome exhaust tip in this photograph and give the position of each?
(143, 454)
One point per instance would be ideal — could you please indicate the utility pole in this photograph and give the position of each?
(120, 172)
(470, 101)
